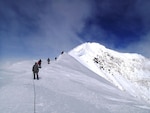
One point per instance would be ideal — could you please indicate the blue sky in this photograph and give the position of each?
(43, 28)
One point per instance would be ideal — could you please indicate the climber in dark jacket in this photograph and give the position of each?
(35, 70)
(39, 62)
(48, 60)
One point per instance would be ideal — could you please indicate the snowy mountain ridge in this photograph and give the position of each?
(129, 72)
(65, 86)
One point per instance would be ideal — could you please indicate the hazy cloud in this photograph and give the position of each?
(43, 27)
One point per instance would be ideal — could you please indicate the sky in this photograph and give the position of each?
(32, 29)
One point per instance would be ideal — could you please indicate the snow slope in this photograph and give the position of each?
(65, 86)
(129, 72)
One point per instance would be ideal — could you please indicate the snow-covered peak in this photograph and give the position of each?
(129, 72)
(96, 48)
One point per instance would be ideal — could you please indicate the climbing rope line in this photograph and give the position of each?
(34, 97)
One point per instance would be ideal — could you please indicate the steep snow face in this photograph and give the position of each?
(129, 72)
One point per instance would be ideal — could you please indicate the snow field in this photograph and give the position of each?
(65, 86)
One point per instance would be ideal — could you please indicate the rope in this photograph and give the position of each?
(34, 97)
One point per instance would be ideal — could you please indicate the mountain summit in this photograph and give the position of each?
(129, 72)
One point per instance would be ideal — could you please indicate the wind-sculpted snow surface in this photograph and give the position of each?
(129, 72)
(65, 86)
